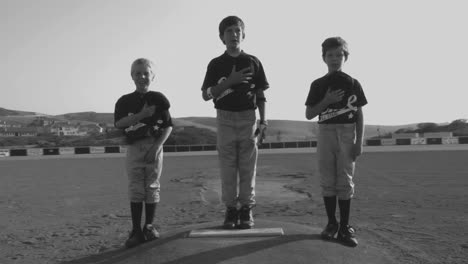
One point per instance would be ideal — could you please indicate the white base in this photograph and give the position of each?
(254, 232)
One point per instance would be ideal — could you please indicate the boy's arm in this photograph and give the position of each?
(359, 134)
(127, 121)
(360, 126)
(260, 133)
(313, 111)
(236, 77)
(166, 132)
(260, 102)
(261, 112)
(215, 91)
(329, 98)
(167, 128)
(158, 143)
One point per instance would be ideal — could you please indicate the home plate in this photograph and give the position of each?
(255, 232)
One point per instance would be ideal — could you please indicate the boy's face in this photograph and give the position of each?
(143, 76)
(334, 58)
(233, 36)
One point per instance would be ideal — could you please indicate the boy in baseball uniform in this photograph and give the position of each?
(337, 99)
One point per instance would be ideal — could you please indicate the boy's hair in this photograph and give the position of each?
(229, 21)
(142, 61)
(333, 43)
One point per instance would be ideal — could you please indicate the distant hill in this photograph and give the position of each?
(291, 130)
(278, 130)
(7, 112)
(199, 122)
(74, 118)
(457, 127)
(105, 118)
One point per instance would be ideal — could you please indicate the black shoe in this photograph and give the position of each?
(150, 233)
(246, 217)
(231, 218)
(346, 236)
(136, 238)
(329, 231)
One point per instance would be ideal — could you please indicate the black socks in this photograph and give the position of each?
(330, 207)
(150, 210)
(345, 206)
(136, 210)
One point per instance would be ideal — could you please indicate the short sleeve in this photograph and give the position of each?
(314, 96)
(119, 110)
(163, 110)
(162, 102)
(362, 100)
(166, 118)
(210, 77)
(260, 78)
(260, 95)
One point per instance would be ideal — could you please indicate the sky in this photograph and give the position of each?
(66, 56)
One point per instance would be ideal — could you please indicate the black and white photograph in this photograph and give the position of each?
(247, 131)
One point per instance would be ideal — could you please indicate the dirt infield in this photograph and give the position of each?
(412, 205)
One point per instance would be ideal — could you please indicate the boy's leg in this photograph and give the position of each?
(153, 173)
(135, 173)
(228, 160)
(345, 184)
(332, 226)
(327, 147)
(136, 210)
(149, 230)
(227, 156)
(150, 212)
(346, 233)
(330, 207)
(152, 197)
(345, 162)
(136, 235)
(248, 153)
(345, 206)
(326, 163)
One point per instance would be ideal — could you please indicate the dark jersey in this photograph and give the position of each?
(132, 103)
(240, 97)
(343, 112)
